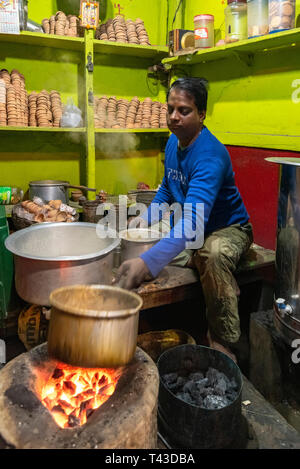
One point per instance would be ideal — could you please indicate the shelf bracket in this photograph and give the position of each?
(244, 57)
(90, 65)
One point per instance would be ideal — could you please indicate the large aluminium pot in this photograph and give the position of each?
(49, 189)
(93, 326)
(52, 255)
(136, 241)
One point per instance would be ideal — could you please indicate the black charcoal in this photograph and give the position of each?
(209, 390)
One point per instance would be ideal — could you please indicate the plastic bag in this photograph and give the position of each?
(71, 115)
(33, 326)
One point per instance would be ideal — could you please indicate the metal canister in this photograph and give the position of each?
(287, 288)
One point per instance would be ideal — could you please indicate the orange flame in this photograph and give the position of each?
(71, 394)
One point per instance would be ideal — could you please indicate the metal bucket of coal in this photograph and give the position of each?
(199, 403)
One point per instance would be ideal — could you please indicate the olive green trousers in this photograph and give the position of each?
(216, 263)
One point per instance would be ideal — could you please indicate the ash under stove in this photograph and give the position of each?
(127, 420)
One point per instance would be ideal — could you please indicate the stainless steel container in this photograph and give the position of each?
(136, 241)
(52, 255)
(49, 189)
(287, 290)
(93, 325)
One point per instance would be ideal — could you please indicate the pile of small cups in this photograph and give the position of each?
(119, 30)
(61, 25)
(123, 114)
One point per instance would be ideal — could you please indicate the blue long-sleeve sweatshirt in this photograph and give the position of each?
(200, 173)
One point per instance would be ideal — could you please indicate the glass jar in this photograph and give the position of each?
(23, 14)
(236, 27)
(281, 15)
(258, 17)
(204, 31)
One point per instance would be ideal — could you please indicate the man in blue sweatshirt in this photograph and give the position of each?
(198, 173)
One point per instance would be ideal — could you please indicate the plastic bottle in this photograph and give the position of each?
(10, 195)
(236, 27)
(258, 17)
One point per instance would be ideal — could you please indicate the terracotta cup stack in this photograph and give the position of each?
(120, 29)
(46, 26)
(32, 102)
(73, 25)
(18, 82)
(111, 113)
(132, 36)
(155, 115)
(122, 109)
(43, 109)
(101, 32)
(60, 23)
(11, 106)
(110, 30)
(3, 115)
(163, 115)
(100, 111)
(146, 113)
(52, 22)
(141, 32)
(139, 116)
(56, 108)
(132, 112)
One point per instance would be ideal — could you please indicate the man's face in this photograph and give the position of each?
(183, 117)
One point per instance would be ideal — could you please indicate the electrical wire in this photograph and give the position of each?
(178, 6)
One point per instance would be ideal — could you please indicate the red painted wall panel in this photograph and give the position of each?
(258, 183)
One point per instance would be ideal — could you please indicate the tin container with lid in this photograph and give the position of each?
(236, 27)
(258, 17)
(204, 31)
(281, 15)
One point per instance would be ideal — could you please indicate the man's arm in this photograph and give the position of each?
(204, 186)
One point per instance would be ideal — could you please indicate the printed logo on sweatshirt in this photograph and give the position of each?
(175, 175)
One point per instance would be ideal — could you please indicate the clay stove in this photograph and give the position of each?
(125, 419)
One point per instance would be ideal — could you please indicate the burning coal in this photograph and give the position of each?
(72, 394)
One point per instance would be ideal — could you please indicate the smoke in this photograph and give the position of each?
(115, 144)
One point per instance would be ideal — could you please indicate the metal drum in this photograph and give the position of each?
(287, 289)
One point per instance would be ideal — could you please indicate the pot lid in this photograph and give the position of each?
(62, 241)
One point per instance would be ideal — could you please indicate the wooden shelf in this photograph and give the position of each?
(132, 131)
(44, 40)
(119, 48)
(43, 129)
(244, 49)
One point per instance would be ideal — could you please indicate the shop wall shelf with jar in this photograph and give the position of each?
(283, 40)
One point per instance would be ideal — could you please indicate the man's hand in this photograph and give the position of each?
(132, 273)
(136, 222)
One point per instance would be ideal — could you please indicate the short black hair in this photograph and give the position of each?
(195, 87)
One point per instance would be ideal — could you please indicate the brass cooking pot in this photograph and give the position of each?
(93, 326)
